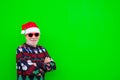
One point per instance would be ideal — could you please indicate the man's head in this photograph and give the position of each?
(32, 33)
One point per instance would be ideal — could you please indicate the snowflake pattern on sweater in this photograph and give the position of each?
(26, 56)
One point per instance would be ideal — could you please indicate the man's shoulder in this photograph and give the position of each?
(40, 46)
(21, 46)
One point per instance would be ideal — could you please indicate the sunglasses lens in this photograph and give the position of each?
(30, 35)
(36, 34)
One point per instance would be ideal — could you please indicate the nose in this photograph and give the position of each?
(33, 36)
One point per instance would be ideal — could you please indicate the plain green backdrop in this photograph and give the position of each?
(82, 36)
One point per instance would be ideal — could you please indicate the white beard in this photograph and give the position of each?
(32, 44)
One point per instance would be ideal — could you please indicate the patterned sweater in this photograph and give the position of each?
(26, 56)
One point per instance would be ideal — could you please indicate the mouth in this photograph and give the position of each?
(33, 39)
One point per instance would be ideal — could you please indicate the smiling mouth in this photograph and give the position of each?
(33, 40)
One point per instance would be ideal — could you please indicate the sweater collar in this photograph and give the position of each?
(30, 45)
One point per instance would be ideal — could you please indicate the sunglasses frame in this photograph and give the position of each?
(35, 34)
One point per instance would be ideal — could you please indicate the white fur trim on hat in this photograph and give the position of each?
(29, 30)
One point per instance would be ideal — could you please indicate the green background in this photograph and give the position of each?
(82, 36)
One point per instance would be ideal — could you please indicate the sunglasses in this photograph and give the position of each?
(31, 34)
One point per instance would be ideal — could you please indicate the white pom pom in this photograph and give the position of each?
(23, 32)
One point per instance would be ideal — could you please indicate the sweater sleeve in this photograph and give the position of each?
(50, 65)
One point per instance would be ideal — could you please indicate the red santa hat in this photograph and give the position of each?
(29, 28)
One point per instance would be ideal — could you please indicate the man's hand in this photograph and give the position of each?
(47, 59)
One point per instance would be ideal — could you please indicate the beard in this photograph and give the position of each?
(32, 42)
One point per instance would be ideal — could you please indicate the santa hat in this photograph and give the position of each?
(30, 27)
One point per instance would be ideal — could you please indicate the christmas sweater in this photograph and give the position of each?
(26, 56)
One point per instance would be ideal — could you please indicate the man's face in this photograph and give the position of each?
(32, 38)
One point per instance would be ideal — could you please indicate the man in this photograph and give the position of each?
(32, 60)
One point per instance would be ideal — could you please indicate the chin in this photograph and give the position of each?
(35, 43)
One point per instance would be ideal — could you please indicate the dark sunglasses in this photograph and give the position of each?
(31, 34)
